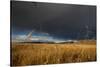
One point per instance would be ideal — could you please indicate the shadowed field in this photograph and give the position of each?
(43, 53)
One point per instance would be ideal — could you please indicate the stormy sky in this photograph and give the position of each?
(58, 20)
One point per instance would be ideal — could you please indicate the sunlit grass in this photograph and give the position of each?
(42, 53)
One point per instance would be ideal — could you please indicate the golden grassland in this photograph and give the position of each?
(43, 53)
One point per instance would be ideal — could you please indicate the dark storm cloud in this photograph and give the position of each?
(56, 19)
